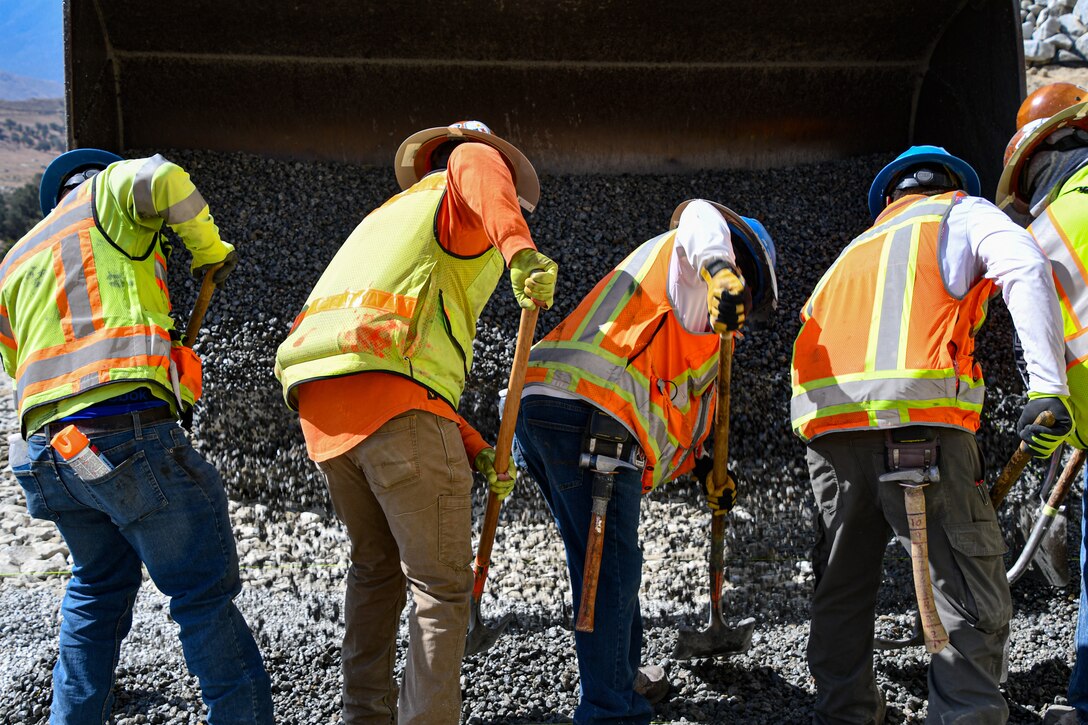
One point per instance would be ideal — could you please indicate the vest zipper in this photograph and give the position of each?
(657, 329)
(449, 331)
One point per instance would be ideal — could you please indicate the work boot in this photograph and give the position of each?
(652, 683)
(1060, 715)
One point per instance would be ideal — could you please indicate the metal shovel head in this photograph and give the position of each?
(480, 636)
(717, 640)
(1051, 558)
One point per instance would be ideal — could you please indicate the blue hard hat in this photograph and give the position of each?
(915, 156)
(64, 166)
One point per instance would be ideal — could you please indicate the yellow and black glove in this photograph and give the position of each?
(220, 275)
(1044, 440)
(485, 464)
(728, 299)
(532, 276)
(719, 499)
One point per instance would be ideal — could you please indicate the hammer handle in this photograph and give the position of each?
(502, 447)
(1011, 472)
(591, 573)
(935, 635)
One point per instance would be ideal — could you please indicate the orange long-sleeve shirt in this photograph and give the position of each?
(480, 210)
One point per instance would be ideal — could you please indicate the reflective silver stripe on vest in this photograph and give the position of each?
(1064, 263)
(185, 210)
(5, 327)
(595, 365)
(57, 223)
(622, 285)
(896, 277)
(857, 392)
(141, 187)
(75, 286)
(55, 366)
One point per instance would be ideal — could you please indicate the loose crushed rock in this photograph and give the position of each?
(287, 219)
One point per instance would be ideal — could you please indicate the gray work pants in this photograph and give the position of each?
(404, 495)
(856, 515)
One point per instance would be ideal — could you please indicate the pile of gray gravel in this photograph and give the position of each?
(287, 219)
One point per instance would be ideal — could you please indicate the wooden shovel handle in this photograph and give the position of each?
(502, 445)
(200, 307)
(1070, 473)
(932, 628)
(1012, 470)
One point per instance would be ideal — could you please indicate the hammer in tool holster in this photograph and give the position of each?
(606, 444)
(913, 465)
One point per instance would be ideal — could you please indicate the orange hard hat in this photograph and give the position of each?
(1044, 102)
(1024, 144)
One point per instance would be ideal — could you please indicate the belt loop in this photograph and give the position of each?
(136, 424)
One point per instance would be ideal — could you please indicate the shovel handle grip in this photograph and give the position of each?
(502, 446)
(591, 575)
(200, 307)
(1070, 473)
(1012, 470)
(932, 628)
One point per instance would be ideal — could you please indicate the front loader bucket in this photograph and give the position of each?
(586, 85)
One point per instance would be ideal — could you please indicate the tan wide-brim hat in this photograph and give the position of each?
(1008, 187)
(414, 156)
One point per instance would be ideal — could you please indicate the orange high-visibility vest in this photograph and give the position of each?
(76, 313)
(883, 342)
(624, 350)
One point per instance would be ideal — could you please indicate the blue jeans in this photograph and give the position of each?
(548, 442)
(1078, 679)
(162, 505)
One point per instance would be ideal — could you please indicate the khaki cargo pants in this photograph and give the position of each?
(404, 495)
(856, 514)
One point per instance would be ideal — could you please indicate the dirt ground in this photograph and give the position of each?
(1053, 73)
(20, 163)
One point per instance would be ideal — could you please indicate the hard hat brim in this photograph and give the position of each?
(752, 246)
(62, 167)
(1008, 186)
(959, 167)
(408, 163)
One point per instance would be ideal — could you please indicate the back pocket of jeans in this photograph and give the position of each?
(129, 492)
(455, 530)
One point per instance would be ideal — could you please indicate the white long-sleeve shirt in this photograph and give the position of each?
(982, 242)
(702, 237)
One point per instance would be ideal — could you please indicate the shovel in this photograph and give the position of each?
(480, 635)
(1046, 550)
(718, 639)
(1004, 483)
(196, 319)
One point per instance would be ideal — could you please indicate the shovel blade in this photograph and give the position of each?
(1052, 557)
(480, 636)
(717, 640)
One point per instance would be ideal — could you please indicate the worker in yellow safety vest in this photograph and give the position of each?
(1043, 184)
(86, 335)
(375, 363)
(885, 380)
(630, 375)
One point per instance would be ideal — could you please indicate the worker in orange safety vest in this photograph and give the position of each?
(885, 379)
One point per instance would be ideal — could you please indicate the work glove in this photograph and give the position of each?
(485, 464)
(1044, 440)
(719, 499)
(221, 274)
(532, 275)
(728, 299)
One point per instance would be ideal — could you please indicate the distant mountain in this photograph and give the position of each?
(33, 38)
(20, 88)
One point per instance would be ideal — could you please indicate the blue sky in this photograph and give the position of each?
(32, 33)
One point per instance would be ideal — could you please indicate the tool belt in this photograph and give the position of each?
(607, 437)
(911, 455)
